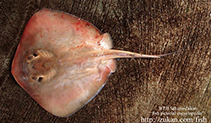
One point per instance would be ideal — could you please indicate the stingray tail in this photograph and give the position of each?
(112, 54)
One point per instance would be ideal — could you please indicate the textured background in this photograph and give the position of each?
(139, 86)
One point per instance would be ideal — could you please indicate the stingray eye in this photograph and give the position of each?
(32, 56)
(40, 54)
(35, 54)
(37, 78)
(40, 79)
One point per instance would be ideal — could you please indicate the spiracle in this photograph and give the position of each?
(50, 74)
(45, 54)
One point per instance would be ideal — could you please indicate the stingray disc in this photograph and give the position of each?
(55, 64)
(62, 62)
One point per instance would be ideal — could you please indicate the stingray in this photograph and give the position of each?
(63, 62)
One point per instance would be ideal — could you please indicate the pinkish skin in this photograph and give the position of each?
(63, 62)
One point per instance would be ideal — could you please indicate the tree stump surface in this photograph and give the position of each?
(141, 89)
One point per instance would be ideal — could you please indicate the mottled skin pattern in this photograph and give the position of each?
(63, 61)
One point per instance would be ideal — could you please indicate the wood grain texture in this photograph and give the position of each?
(139, 86)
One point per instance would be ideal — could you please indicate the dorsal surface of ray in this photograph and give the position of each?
(62, 61)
